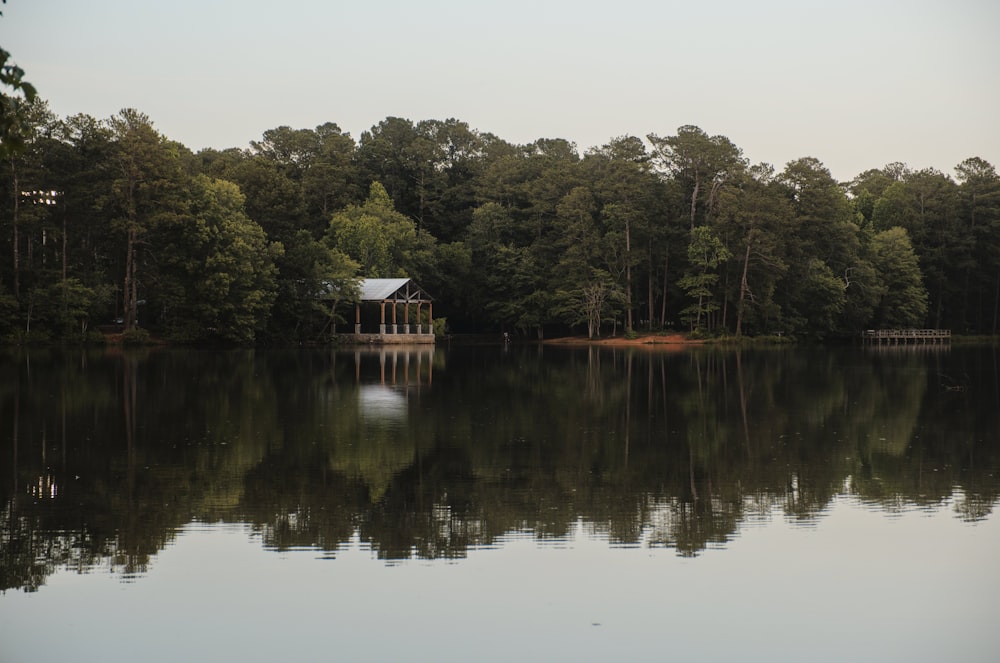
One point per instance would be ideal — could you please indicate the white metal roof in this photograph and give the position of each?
(376, 290)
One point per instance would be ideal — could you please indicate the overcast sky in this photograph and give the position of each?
(854, 83)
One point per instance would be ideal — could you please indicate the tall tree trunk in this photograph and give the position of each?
(712, 196)
(663, 301)
(724, 314)
(64, 249)
(421, 187)
(694, 198)
(938, 304)
(996, 304)
(649, 285)
(129, 300)
(743, 292)
(628, 275)
(16, 238)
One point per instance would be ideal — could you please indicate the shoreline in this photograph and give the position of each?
(621, 341)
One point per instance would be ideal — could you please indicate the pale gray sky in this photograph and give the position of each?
(854, 83)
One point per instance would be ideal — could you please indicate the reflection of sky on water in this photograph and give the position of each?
(919, 586)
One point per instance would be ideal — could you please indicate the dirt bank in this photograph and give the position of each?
(677, 340)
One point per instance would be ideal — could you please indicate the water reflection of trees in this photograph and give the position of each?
(434, 454)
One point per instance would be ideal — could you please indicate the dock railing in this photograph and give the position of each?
(906, 336)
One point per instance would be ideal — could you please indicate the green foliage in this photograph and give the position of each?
(9, 309)
(822, 297)
(823, 248)
(14, 93)
(375, 235)
(137, 336)
(705, 253)
(702, 164)
(218, 274)
(595, 301)
(315, 279)
(261, 245)
(904, 302)
(440, 327)
(63, 307)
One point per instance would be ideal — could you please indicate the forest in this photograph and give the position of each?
(107, 222)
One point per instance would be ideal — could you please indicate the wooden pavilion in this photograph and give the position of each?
(401, 304)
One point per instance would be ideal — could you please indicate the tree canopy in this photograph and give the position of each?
(108, 220)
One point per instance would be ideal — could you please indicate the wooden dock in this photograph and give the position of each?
(906, 336)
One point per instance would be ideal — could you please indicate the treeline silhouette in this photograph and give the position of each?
(109, 222)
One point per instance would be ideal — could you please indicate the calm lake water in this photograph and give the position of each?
(495, 504)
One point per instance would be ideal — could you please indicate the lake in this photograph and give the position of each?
(532, 503)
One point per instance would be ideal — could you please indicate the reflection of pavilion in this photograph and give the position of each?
(382, 402)
(396, 300)
(398, 366)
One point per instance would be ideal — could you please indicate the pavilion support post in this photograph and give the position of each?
(357, 318)
(381, 324)
(406, 318)
(395, 327)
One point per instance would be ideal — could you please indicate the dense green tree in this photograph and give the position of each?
(521, 191)
(316, 279)
(60, 241)
(145, 191)
(754, 219)
(61, 307)
(29, 194)
(383, 241)
(590, 301)
(464, 158)
(515, 237)
(705, 253)
(320, 161)
(406, 159)
(215, 277)
(586, 292)
(506, 275)
(629, 195)
(15, 91)
(979, 193)
(863, 288)
(824, 247)
(82, 163)
(447, 274)
(273, 200)
(530, 182)
(904, 300)
(867, 187)
(824, 217)
(926, 204)
(703, 163)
